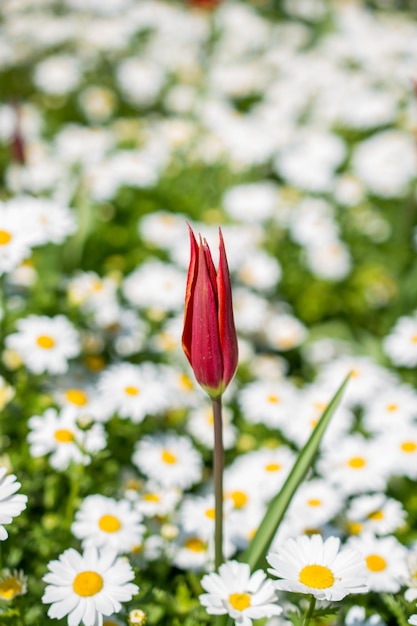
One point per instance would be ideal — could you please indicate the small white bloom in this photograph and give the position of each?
(103, 522)
(236, 592)
(87, 586)
(401, 343)
(45, 343)
(169, 459)
(11, 504)
(311, 565)
(59, 435)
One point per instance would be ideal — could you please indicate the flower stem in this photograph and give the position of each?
(309, 613)
(218, 464)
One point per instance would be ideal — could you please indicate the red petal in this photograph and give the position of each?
(188, 307)
(227, 330)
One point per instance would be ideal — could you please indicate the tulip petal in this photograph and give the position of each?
(206, 357)
(190, 288)
(227, 330)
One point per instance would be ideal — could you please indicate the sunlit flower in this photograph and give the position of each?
(45, 344)
(313, 566)
(168, 459)
(11, 503)
(385, 559)
(103, 522)
(401, 343)
(59, 435)
(86, 587)
(234, 591)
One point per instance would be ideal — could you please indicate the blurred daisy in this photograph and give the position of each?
(356, 616)
(400, 446)
(284, 332)
(87, 586)
(411, 579)
(251, 202)
(393, 406)
(15, 240)
(155, 285)
(11, 503)
(156, 501)
(137, 617)
(134, 391)
(191, 552)
(267, 402)
(376, 514)
(234, 591)
(12, 583)
(356, 465)
(45, 344)
(47, 220)
(316, 502)
(401, 343)
(311, 565)
(103, 522)
(58, 74)
(385, 559)
(59, 435)
(169, 460)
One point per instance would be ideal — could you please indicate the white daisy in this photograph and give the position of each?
(267, 402)
(155, 285)
(59, 435)
(356, 616)
(45, 343)
(15, 240)
(376, 514)
(48, 220)
(169, 460)
(87, 586)
(134, 391)
(356, 465)
(316, 502)
(234, 591)
(385, 559)
(401, 343)
(11, 503)
(400, 450)
(311, 565)
(156, 501)
(107, 523)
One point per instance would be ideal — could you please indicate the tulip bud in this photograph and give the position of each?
(209, 338)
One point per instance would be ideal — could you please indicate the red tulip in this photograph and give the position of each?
(209, 338)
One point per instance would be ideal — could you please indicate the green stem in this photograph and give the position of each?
(218, 464)
(309, 613)
(74, 474)
(395, 609)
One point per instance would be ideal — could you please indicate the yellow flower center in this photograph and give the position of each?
(87, 584)
(76, 396)
(195, 544)
(210, 513)
(45, 341)
(356, 462)
(273, 400)
(408, 446)
(273, 467)
(63, 435)
(355, 528)
(392, 407)
(314, 502)
(186, 382)
(10, 588)
(239, 601)
(131, 391)
(316, 576)
(376, 515)
(151, 497)
(109, 523)
(5, 237)
(168, 457)
(375, 563)
(239, 499)
(414, 339)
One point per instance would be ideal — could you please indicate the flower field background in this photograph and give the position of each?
(291, 125)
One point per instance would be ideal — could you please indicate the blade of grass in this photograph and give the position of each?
(256, 552)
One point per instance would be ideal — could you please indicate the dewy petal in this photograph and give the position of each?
(206, 357)
(189, 295)
(227, 330)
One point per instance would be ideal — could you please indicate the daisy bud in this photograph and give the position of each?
(209, 338)
(137, 617)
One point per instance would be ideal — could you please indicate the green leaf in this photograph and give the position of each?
(256, 552)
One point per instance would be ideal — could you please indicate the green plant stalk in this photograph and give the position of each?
(310, 610)
(256, 552)
(395, 609)
(218, 465)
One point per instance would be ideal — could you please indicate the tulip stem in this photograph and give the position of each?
(218, 464)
